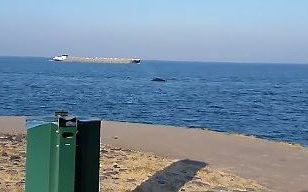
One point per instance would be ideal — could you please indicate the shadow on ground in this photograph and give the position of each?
(172, 178)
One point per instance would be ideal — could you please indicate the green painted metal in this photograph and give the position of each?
(50, 164)
(41, 163)
(88, 154)
(67, 153)
(65, 158)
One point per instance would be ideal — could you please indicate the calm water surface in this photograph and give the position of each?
(268, 101)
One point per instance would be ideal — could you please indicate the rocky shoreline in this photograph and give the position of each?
(128, 170)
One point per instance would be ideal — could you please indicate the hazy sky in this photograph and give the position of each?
(208, 30)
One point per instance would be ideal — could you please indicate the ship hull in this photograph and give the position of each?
(100, 60)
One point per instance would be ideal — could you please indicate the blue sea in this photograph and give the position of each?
(265, 100)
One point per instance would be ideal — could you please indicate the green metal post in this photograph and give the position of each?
(88, 154)
(67, 154)
(50, 163)
(63, 156)
(41, 158)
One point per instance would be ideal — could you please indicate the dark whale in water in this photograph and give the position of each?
(157, 79)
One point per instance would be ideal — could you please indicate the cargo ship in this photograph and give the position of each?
(67, 58)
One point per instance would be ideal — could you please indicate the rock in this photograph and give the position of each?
(196, 178)
(115, 149)
(102, 177)
(116, 166)
(110, 174)
(104, 151)
(10, 138)
(4, 154)
(19, 138)
(14, 158)
(131, 180)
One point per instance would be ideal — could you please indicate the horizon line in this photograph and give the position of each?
(190, 61)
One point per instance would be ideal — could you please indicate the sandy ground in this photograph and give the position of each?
(124, 170)
(278, 166)
(10, 124)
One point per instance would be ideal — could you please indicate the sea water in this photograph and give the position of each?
(265, 100)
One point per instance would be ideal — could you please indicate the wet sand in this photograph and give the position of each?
(277, 166)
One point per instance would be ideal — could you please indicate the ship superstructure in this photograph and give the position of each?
(60, 58)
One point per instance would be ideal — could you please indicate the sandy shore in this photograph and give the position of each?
(10, 124)
(277, 166)
(124, 170)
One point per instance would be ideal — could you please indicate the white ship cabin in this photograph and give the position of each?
(60, 58)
